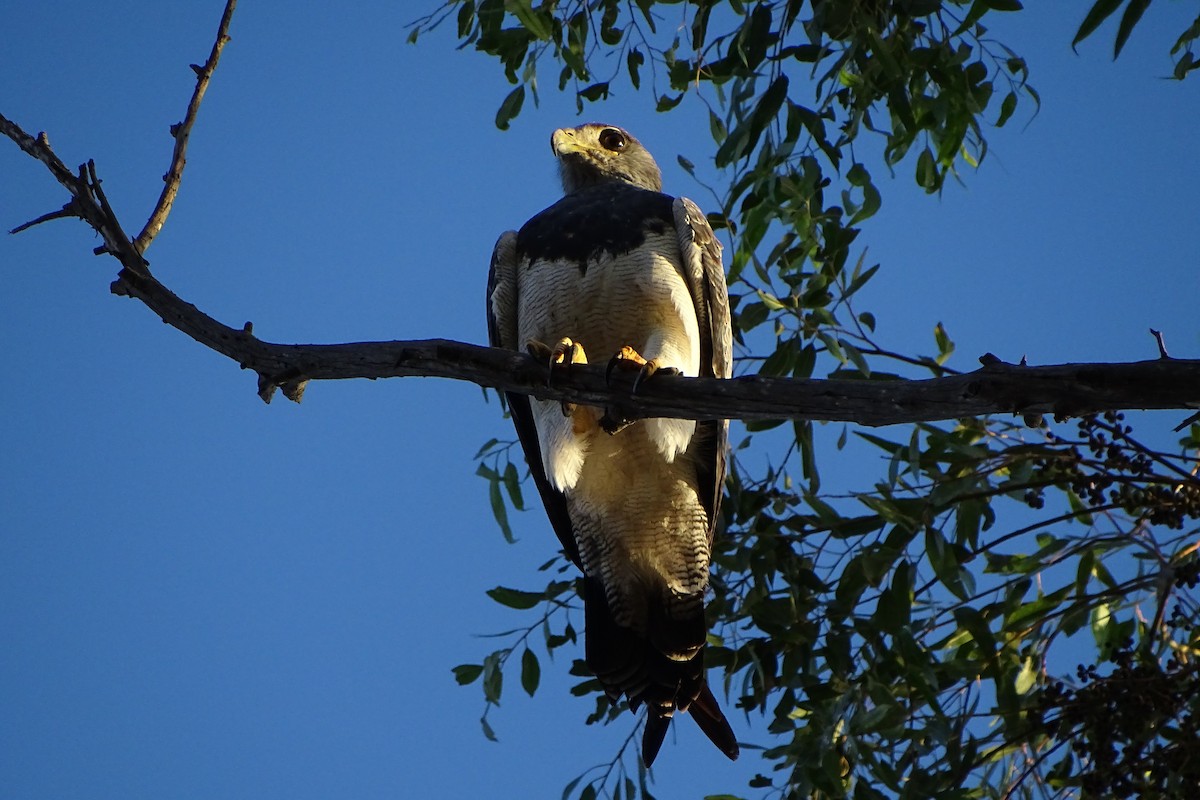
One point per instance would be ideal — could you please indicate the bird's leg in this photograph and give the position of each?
(629, 359)
(564, 353)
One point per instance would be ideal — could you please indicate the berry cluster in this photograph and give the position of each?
(1107, 468)
(1136, 731)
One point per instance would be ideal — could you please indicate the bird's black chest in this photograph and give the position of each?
(605, 219)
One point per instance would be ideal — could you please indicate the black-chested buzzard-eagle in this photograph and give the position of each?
(625, 271)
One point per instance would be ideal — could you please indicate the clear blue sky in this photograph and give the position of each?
(202, 596)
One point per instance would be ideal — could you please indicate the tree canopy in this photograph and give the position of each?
(901, 638)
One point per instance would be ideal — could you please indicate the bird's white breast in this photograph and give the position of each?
(638, 299)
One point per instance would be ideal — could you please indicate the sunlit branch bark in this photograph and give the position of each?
(181, 132)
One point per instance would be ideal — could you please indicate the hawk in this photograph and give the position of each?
(627, 272)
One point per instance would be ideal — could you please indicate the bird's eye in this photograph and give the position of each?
(612, 139)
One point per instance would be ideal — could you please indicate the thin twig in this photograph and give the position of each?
(181, 132)
(68, 210)
(1162, 347)
(1194, 418)
(1033, 766)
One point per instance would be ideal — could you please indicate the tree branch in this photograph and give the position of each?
(1064, 390)
(181, 131)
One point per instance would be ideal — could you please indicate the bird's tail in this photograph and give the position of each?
(630, 665)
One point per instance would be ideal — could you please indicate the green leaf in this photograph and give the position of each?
(856, 358)
(486, 446)
(1099, 12)
(466, 19)
(716, 127)
(1004, 5)
(610, 34)
(537, 22)
(531, 672)
(1186, 63)
(1101, 619)
(1133, 13)
(1079, 508)
(770, 301)
(770, 103)
(752, 316)
(487, 730)
(943, 558)
(970, 620)
(498, 509)
(977, 10)
(644, 6)
(927, 174)
(944, 345)
(510, 107)
(1007, 107)
(968, 516)
(1027, 677)
(781, 361)
(515, 598)
(512, 483)
(856, 283)
(753, 38)
(666, 103)
(895, 604)
(467, 673)
(633, 61)
(570, 787)
(493, 678)
(594, 92)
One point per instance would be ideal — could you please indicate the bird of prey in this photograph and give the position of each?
(635, 275)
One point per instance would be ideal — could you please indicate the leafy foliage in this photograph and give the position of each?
(1101, 10)
(904, 638)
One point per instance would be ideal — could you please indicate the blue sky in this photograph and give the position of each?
(203, 596)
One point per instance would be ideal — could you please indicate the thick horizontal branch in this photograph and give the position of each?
(1064, 390)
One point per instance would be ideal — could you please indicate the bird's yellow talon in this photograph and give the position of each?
(565, 352)
(629, 359)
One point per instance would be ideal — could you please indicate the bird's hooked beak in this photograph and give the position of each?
(563, 141)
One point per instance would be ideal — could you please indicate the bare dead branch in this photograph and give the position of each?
(88, 200)
(39, 148)
(67, 210)
(181, 132)
(1162, 346)
(1063, 390)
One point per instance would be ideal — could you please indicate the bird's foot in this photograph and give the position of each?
(565, 352)
(631, 360)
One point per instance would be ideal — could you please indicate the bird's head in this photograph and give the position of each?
(593, 154)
